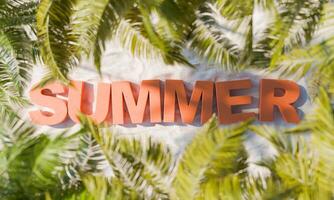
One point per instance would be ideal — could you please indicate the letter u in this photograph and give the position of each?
(78, 102)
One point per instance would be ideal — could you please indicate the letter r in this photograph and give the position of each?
(269, 99)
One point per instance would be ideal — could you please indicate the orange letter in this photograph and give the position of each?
(225, 101)
(148, 89)
(202, 90)
(268, 99)
(46, 97)
(78, 101)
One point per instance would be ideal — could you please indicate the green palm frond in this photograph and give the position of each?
(276, 137)
(224, 34)
(100, 188)
(142, 167)
(212, 156)
(300, 19)
(57, 45)
(294, 25)
(139, 34)
(32, 163)
(229, 188)
(320, 124)
(16, 14)
(209, 40)
(12, 82)
(87, 158)
(16, 54)
(294, 168)
(236, 9)
(72, 28)
(131, 39)
(315, 57)
(90, 156)
(94, 23)
(266, 4)
(177, 18)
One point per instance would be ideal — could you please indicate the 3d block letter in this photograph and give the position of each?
(56, 111)
(149, 89)
(175, 89)
(269, 99)
(225, 101)
(78, 101)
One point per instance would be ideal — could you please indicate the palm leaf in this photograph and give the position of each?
(315, 58)
(16, 54)
(294, 25)
(96, 22)
(218, 39)
(57, 46)
(293, 168)
(321, 125)
(32, 163)
(141, 167)
(138, 34)
(213, 155)
(17, 14)
(100, 188)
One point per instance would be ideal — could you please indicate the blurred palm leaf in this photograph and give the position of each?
(139, 34)
(294, 25)
(215, 158)
(31, 163)
(320, 124)
(72, 28)
(141, 167)
(57, 45)
(314, 57)
(96, 22)
(16, 53)
(100, 188)
(209, 41)
(294, 168)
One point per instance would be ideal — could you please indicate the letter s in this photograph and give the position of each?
(46, 97)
